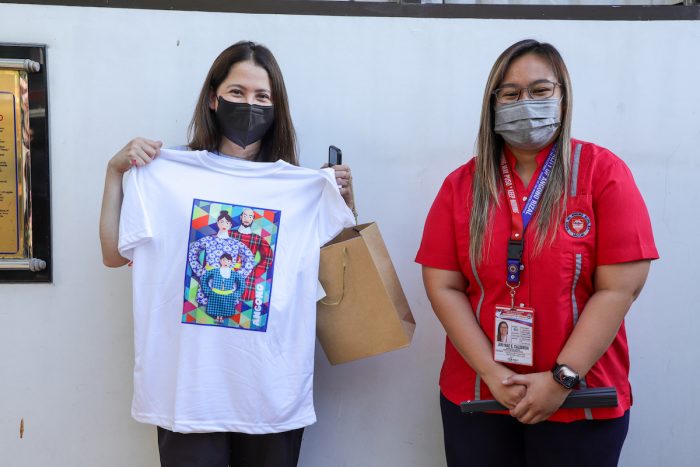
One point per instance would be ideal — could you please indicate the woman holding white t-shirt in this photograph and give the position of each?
(242, 114)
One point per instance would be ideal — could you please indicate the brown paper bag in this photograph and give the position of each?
(365, 311)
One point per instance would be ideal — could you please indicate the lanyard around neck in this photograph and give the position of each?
(520, 220)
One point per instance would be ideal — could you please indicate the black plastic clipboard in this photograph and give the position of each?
(580, 399)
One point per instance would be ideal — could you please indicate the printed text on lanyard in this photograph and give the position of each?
(520, 221)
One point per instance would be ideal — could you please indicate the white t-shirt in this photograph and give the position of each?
(227, 349)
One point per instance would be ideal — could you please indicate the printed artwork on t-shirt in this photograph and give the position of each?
(230, 263)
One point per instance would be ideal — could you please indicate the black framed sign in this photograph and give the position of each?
(25, 208)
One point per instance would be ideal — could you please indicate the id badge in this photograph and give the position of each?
(514, 337)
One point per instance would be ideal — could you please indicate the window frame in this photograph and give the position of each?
(404, 9)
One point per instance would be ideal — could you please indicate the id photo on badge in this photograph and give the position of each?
(513, 335)
(502, 332)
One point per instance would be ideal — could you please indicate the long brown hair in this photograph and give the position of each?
(486, 187)
(280, 140)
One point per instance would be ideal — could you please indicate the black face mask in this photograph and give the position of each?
(243, 123)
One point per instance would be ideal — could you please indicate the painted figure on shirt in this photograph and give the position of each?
(223, 287)
(214, 246)
(258, 246)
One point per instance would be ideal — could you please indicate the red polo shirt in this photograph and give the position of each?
(605, 222)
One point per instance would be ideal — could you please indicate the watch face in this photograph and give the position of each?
(567, 377)
(569, 381)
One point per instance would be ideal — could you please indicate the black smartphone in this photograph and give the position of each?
(335, 156)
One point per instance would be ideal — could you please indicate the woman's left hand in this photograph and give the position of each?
(343, 177)
(543, 397)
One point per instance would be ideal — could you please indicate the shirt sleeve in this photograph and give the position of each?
(134, 225)
(438, 248)
(624, 231)
(334, 215)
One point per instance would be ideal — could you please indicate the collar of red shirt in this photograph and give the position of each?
(541, 157)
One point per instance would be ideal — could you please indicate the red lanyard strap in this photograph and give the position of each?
(520, 221)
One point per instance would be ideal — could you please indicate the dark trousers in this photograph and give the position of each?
(484, 440)
(229, 449)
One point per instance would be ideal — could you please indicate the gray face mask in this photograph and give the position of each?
(528, 124)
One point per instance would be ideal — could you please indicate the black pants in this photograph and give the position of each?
(229, 449)
(484, 440)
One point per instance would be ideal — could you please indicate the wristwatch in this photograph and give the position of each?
(565, 376)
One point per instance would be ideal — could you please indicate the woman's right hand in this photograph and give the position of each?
(446, 292)
(508, 396)
(137, 153)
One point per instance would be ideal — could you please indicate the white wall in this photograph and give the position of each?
(401, 97)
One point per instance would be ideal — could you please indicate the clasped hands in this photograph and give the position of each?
(531, 398)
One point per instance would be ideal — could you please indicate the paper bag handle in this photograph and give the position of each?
(342, 293)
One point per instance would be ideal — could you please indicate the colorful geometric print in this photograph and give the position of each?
(218, 230)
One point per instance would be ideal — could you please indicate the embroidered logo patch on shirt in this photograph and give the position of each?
(577, 224)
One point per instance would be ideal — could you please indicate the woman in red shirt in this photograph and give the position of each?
(564, 284)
